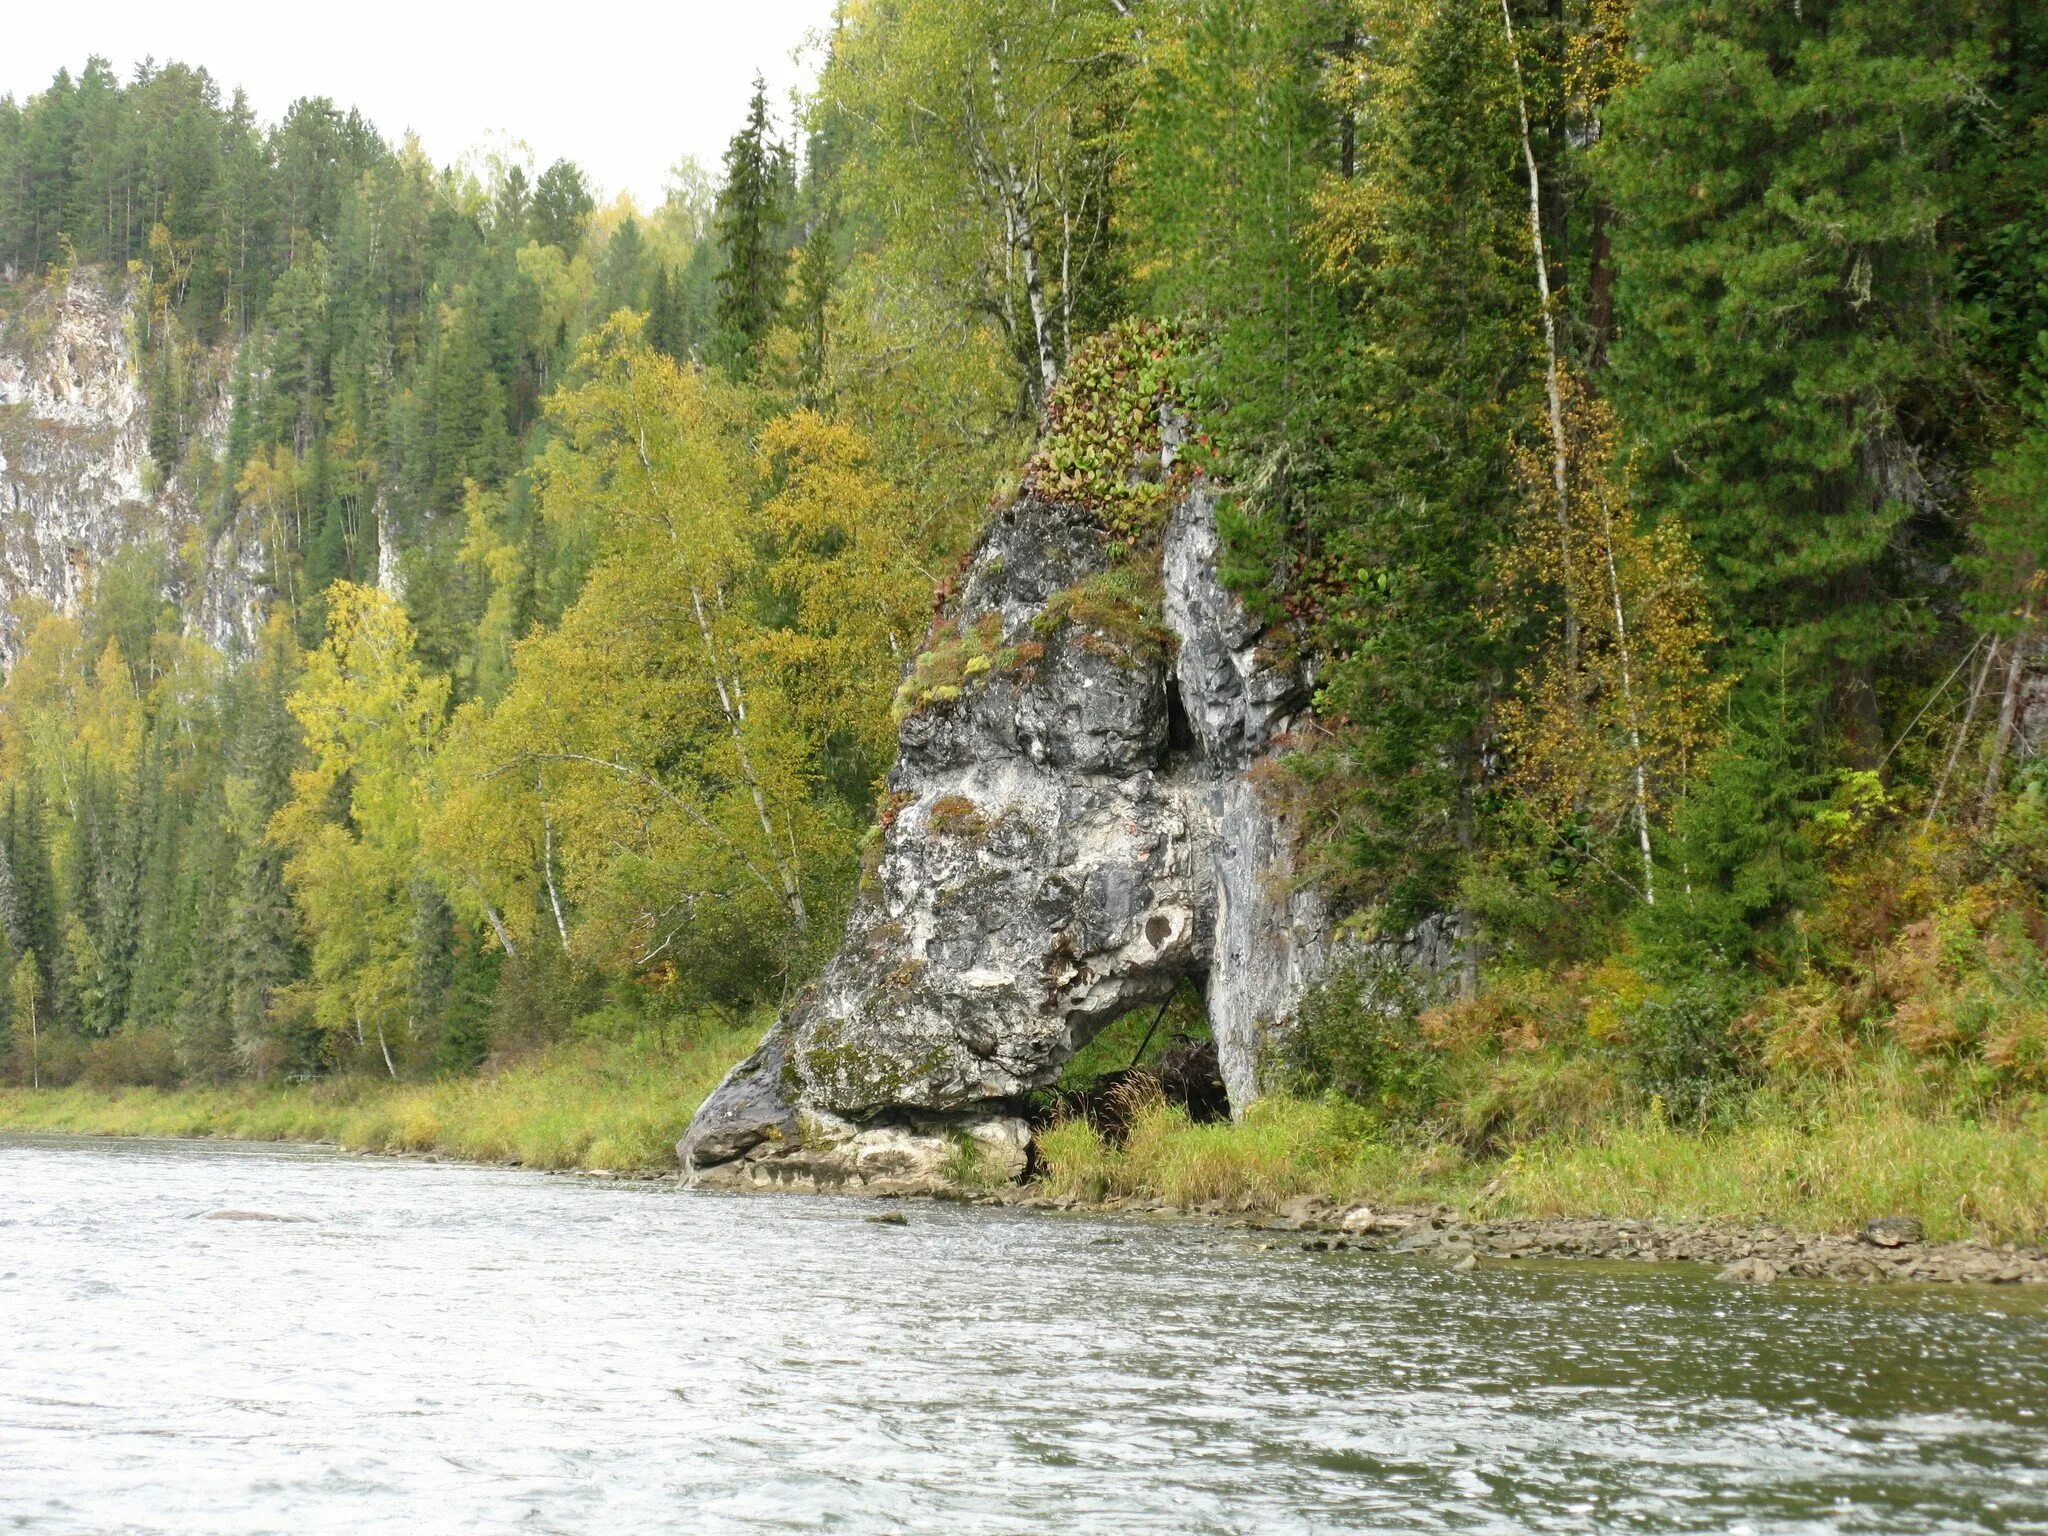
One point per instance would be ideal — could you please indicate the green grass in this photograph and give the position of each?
(1863, 1157)
(610, 1105)
(1827, 1161)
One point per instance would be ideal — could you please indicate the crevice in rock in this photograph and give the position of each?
(1180, 731)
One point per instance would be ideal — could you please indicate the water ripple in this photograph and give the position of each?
(439, 1348)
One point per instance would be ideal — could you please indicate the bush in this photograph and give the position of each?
(1358, 1036)
(1509, 1101)
(1684, 1051)
(1102, 446)
(133, 1058)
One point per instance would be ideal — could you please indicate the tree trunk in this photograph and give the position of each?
(735, 717)
(491, 916)
(1955, 750)
(1553, 378)
(1600, 286)
(1017, 218)
(1626, 656)
(733, 706)
(2008, 714)
(547, 864)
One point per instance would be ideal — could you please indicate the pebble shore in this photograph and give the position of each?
(1888, 1249)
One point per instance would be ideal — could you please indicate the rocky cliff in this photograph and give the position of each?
(1074, 828)
(76, 480)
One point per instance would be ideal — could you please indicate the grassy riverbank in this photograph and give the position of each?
(1823, 1159)
(616, 1105)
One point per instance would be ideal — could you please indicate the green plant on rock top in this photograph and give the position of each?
(957, 816)
(954, 662)
(1118, 613)
(1103, 446)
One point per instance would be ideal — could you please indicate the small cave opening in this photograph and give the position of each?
(1162, 1050)
(1180, 730)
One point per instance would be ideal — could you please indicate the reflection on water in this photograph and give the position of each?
(440, 1348)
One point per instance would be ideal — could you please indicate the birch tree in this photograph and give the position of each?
(1614, 713)
(686, 763)
(990, 139)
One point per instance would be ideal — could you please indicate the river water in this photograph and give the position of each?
(443, 1348)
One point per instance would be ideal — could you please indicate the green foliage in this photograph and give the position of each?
(977, 149)
(1231, 134)
(1742, 851)
(1684, 1052)
(1118, 613)
(616, 744)
(1103, 445)
(1788, 310)
(1357, 1037)
(752, 230)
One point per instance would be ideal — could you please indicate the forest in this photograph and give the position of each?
(1637, 410)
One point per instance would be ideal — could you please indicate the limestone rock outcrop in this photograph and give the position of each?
(1074, 829)
(77, 484)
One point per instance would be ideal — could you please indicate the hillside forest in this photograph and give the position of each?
(1636, 410)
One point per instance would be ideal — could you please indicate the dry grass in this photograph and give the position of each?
(1866, 1146)
(1864, 1149)
(611, 1105)
(1284, 1147)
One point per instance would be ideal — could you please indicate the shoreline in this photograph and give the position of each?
(1887, 1251)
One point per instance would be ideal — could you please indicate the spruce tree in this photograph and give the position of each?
(1397, 500)
(621, 283)
(1785, 295)
(431, 952)
(164, 920)
(667, 326)
(35, 881)
(207, 1046)
(817, 271)
(751, 227)
(262, 953)
(562, 206)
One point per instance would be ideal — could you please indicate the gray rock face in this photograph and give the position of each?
(76, 481)
(1078, 833)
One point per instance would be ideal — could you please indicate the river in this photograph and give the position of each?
(434, 1347)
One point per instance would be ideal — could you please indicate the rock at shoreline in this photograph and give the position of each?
(1749, 1272)
(1073, 830)
(1753, 1255)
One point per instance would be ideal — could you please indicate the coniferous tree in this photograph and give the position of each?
(28, 850)
(432, 950)
(751, 226)
(13, 916)
(621, 283)
(668, 330)
(262, 952)
(1785, 302)
(562, 206)
(164, 921)
(207, 1047)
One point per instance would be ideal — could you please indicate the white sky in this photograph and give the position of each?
(623, 87)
